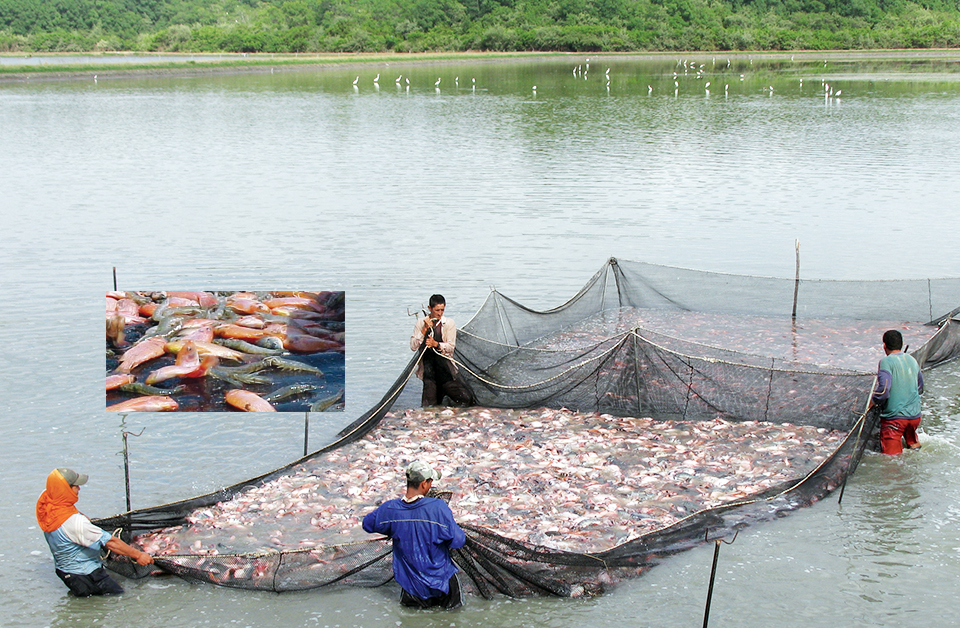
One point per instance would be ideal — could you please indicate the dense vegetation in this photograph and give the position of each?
(435, 25)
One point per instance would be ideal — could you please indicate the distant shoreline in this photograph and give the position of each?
(137, 64)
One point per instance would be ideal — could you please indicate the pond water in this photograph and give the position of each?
(295, 176)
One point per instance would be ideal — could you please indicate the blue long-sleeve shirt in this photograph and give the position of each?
(423, 534)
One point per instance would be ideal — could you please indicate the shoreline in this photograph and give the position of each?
(197, 64)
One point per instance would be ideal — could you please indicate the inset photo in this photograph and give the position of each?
(223, 351)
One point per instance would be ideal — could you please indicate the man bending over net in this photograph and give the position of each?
(423, 533)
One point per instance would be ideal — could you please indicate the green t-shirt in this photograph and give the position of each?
(904, 386)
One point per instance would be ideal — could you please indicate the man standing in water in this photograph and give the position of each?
(438, 372)
(899, 385)
(423, 533)
(74, 541)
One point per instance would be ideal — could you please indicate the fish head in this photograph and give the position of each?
(188, 355)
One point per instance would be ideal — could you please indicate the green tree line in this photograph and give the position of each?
(458, 25)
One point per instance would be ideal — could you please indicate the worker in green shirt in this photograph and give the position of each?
(898, 390)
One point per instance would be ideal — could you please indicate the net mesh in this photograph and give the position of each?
(638, 340)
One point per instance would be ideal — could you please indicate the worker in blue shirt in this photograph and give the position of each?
(423, 533)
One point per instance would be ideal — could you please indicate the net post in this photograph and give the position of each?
(114, 278)
(126, 468)
(796, 283)
(306, 431)
(713, 577)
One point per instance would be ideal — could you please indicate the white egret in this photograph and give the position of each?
(356, 80)
(437, 84)
(376, 79)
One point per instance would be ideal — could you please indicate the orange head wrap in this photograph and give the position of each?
(56, 504)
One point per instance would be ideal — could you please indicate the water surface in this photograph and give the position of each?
(296, 178)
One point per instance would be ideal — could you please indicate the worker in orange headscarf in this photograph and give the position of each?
(75, 542)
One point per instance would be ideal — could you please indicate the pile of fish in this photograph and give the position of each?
(562, 480)
(835, 343)
(207, 351)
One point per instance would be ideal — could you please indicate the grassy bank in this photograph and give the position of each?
(413, 26)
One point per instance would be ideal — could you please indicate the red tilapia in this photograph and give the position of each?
(248, 401)
(143, 351)
(153, 403)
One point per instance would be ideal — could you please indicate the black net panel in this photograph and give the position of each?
(638, 341)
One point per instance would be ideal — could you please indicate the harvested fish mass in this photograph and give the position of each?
(557, 479)
(212, 351)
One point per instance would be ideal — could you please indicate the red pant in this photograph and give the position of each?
(892, 430)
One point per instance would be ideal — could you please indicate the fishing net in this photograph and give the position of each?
(658, 409)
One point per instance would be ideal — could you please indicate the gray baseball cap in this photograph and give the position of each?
(72, 477)
(421, 472)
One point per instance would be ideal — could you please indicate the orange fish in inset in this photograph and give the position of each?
(201, 334)
(141, 352)
(207, 348)
(244, 305)
(205, 299)
(240, 333)
(118, 380)
(182, 370)
(152, 403)
(248, 401)
(310, 344)
(251, 321)
(297, 302)
(147, 309)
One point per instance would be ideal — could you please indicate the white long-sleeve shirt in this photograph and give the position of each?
(448, 331)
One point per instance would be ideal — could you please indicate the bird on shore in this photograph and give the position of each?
(356, 80)
(376, 79)
(437, 84)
